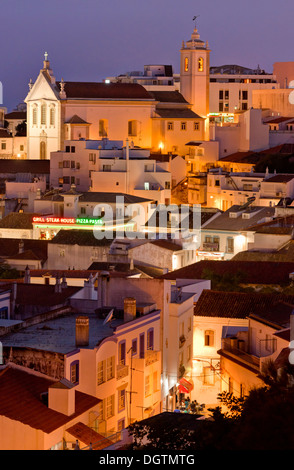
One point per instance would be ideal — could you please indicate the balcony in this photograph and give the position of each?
(236, 349)
(122, 371)
(151, 357)
(210, 246)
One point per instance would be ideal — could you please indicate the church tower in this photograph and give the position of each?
(194, 75)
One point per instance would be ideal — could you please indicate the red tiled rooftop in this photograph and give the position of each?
(118, 91)
(251, 272)
(237, 304)
(20, 400)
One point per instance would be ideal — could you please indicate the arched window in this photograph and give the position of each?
(186, 65)
(43, 114)
(35, 115)
(200, 64)
(43, 150)
(52, 116)
(209, 338)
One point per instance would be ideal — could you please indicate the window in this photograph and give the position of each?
(147, 385)
(170, 126)
(67, 148)
(230, 242)
(122, 353)
(142, 346)
(60, 165)
(66, 180)
(221, 94)
(121, 400)
(52, 116)
(244, 106)
(4, 313)
(217, 183)
(109, 406)
(101, 372)
(244, 95)
(72, 180)
(42, 150)
(66, 164)
(167, 185)
(73, 164)
(183, 126)
(200, 64)
(74, 372)
(196, 126)
(134, 347)
(106, 168)
(35, 114)
(226, 94)
(186, 64)
(3, 145)
(150, 339)
(73, 149)
(209, 338)
(110, 368)
(132, 128)
(21, 148)
(221, 107)
(83, 210)
(43, 114)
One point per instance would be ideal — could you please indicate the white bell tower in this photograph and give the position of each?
(194, 75)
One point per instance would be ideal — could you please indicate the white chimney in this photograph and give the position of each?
(61, 397)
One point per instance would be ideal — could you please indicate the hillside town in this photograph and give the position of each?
(146, 252)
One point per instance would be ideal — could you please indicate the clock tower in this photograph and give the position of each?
(194, 75)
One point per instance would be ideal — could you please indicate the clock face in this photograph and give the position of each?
(186, 64)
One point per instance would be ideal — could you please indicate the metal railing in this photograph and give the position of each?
(237, 348)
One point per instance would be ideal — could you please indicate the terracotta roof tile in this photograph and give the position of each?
(251, 272)
(113, 91)
(237, 304)
(88, 436)
(20, 400)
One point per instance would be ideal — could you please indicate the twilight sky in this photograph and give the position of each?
(88, 40)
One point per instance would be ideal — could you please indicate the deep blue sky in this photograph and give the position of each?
(88, 40)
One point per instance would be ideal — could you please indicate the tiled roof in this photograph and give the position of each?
(34, 167)
(113, 91)
(168, 96)
(17, 220)
(276, 314)
(236, 304)
(280, 178)
(10, 247)
(16, 115)
(88, 436)
(25, 255)
(79, 237)
(76, 120)
(278, 120)
(20, 400)
(176, 113)
(41, 294)
(226, 223)
(4, 134)
(166, 245)
(252, 272)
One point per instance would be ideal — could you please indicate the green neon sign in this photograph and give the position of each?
(89, 221)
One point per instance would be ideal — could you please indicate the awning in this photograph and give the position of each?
(186, 386)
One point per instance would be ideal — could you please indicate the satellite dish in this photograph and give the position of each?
(109, 317)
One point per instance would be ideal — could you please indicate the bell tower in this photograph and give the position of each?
(194, 73)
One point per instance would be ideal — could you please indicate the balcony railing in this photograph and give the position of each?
(122, 371)
(210, 246)
(237, 349)
(151, 357)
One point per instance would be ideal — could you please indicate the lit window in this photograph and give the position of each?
(209, 338)
(200, 64)
(186, 64)
(74, 372)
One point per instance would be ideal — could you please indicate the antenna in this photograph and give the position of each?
(109, 317)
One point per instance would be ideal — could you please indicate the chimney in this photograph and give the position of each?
(82, 331)
(61, 397)
(130, 309)
(63, 283)
(103, 279)
(27, 276)
(57, 284)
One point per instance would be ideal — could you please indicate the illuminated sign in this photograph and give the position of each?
(66, 221)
